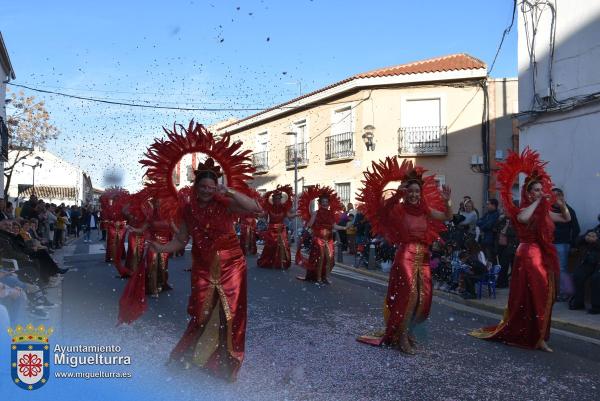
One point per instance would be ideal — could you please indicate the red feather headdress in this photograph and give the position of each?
(528, 163)
(285, 191)
(162, 157)
(389, 170)
(112, 201)
(315, 192)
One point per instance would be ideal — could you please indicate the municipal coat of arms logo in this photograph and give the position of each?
(30, 356)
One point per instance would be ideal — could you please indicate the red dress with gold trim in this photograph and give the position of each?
(157, 263)
(132, 303)
(322, 251)
(321, 258)
(527, 317)
(248, 235)
(215, 335)
(412, 230)
(113, 202)
(276, 253)
(137, 216)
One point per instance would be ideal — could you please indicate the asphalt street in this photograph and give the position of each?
(301, 343)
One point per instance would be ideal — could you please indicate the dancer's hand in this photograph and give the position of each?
(401, 192)
(446, 192)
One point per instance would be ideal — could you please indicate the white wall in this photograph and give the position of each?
(576, 50)
(568, 140)
(54, 171)
(3, 78)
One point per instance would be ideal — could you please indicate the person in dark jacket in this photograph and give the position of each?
(587, 268)
(487, 225)
(565, 235)
(28, 210)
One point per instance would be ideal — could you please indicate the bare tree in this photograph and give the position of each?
(29, 127)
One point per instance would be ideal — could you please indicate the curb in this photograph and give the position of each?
(556, 323)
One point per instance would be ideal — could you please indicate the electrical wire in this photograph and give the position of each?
(506, 31)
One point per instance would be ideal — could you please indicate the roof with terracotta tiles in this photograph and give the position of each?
(47, 191)
(452, 62)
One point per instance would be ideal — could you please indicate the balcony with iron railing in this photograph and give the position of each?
(339, 147)
(301, 155)
(422, 141)
(260, 161)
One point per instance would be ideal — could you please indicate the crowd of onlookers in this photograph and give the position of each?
(29, 235)
(480, 247)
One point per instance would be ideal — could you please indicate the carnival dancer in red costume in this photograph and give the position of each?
(322, 223)
(412, 219)
(112, 202)
(159, 230)
(276, 252)
(248, 235)
(535, 270)
(137, 210)
(215, 336)
(132, 303)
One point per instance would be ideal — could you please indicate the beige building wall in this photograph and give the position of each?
(385, 109)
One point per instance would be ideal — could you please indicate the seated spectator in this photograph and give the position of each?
(472, 271)
(587, 268)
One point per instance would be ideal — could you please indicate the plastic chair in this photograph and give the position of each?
(490, 280)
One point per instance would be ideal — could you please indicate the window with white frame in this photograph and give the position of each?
(339, 144)
(422, 113)
(422, 129)
(300, 130)
(440, 180)
(343, 191)
(262, 142)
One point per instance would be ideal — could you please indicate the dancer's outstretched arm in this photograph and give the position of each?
(178, 242)
(241, 203)
(447, 215)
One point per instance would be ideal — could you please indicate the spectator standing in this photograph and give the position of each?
(565, 234)
(59, 227)
(487, 224)
(470, 221)
(342, 222)
(3, 214)
(587, 268)
(29, 208)
(506, 247)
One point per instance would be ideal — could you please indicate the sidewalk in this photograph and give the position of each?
(54, 294)
(578, 322)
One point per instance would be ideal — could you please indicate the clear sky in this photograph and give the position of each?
(219, 54)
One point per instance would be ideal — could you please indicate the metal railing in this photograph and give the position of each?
(339, 146)
(422, 141)
(260, 161)
(302, 155)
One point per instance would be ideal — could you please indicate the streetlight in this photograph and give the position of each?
(295, 134)
(38, 163)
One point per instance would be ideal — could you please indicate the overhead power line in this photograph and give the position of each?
(146, 106)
